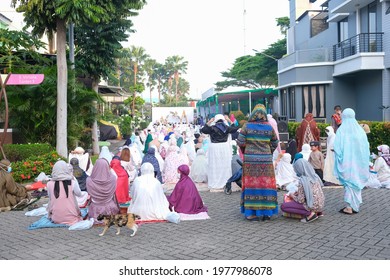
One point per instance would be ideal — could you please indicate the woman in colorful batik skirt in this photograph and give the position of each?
(258, 140)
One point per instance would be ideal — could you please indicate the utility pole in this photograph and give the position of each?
(244, 18)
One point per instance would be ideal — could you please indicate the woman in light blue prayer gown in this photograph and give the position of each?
(352, 158)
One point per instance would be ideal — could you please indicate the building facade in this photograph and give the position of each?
(337, 54)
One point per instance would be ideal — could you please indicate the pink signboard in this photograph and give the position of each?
(25, 79)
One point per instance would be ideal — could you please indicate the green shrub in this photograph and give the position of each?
(27, 170)
(17, 152)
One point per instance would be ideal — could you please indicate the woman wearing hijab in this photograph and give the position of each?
(199, 167)
(149, 139)
(184, 159)
(101, 187)
(122, 181)
(126, 160)
(219, 152)
(80, 175)
(382, 166)
(284, 171)
(151, 158)
(329, 160)
(148, 199)
(274, 125)
(172, 163)
(307, 131)
(233, 120)
(352, 159)
(62, 190)
(11, 193)
(306, 151)
(257, 141)
(308, 200)
(85, 161)
(106, 154)
(158, 157)
(292, 148)
(185, 197)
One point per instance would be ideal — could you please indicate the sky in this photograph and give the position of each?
(209, 34)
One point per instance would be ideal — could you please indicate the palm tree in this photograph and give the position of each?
(137, 58)
(178, 66)
(150, 68)
(159, 75)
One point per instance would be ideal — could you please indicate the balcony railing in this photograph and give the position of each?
(305, 56)
(363, 42)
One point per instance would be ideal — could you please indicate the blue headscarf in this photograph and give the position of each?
(151, 158)
(297, 156)
(352, 153)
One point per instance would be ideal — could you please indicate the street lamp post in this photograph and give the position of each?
(267, 55)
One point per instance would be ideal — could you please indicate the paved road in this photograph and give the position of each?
(226, 235)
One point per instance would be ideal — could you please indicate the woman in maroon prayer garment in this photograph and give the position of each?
(185, 197)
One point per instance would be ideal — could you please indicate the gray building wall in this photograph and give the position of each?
(369, 95)
(363, 91)
(386, 72)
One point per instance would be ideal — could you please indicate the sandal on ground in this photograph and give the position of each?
(313, 218)
(253, 218)
(266, 218)
(345, 212)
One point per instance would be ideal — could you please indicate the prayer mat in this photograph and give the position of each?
(192, 217)
(142, 222)
(45, 222)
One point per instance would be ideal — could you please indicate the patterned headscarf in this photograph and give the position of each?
(307, 177)
(259, 113)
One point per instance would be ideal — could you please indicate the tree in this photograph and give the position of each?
(150, 68)
(98, 46)
(160, 74)
(137, 58)
(284, 24)
(176, 66)
(47, 16)
(183, 88)
(257, 71)
(18, 51)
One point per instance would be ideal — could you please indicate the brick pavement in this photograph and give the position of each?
(225, 236)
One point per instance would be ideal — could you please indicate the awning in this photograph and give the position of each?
(238, 95)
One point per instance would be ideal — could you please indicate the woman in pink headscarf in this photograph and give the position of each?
(233, 119)
(185, 197)
(101, 186)
(274, 125)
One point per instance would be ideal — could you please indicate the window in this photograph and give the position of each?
(291, 103)
(314, 101)
(372, 17)
(319, 23)
(283, 103)
(343, 30)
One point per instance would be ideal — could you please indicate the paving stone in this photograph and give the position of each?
(227, 235)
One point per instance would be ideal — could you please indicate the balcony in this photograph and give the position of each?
(350, 6)
(361, 52)
(361, 43)
(312, 56)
